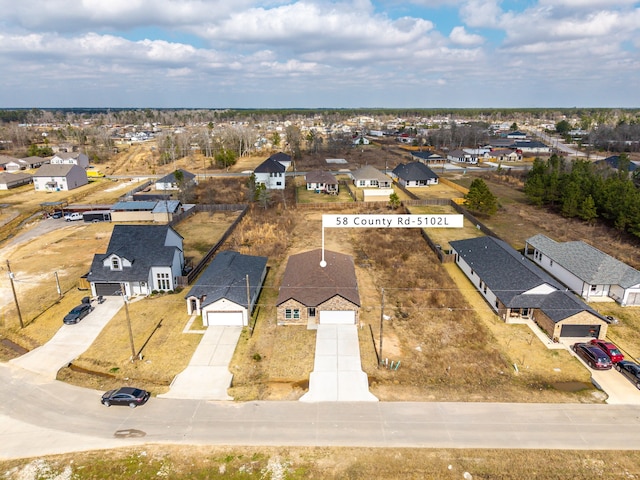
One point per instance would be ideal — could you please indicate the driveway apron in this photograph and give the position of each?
(337, 372)
(70, 341)
(207, 376)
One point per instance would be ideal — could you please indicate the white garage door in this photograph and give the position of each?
(337, 317)
(224, 318)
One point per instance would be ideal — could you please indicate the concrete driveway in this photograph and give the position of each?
(337, 371)
(619, 390)
(70, 341)
(207, 377)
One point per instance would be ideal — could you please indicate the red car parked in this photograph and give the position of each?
(610, 349)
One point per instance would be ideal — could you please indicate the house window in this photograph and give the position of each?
(115, 263)
(292, 313)
(163, 281)
(551, 263)
(312, 311)
(593, 288)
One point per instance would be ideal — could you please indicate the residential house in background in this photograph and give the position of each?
(227, 291)
(271, 174)
(322, 182)
(4, 159)
(369, 176)
(71, 158)
(587, 271)
(613, 161)
(140, 258)
(59, 177)
(414, 174)
(13, 180)
(427, 157)
(515, 288)
(314, 294)
(160, 211)
(462, 156)
(170, 182)
(503, 155)
(282, 158)
(517, 135)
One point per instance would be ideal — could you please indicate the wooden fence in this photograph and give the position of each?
(185, 280)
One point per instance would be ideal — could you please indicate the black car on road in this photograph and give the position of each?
(630, 370)
(130, 396)
(77, 313)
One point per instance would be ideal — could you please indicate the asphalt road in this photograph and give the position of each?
(40, 417)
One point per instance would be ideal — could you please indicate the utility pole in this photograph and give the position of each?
(15, 297)
(248, 305)
(381, 320)
(126, 311)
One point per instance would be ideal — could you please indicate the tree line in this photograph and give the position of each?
(587, 191)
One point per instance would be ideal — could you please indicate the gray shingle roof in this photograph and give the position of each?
(414, 171)
(226, 277)
(55, 170)
(171, 178)
(270, 166)
(509, 275)
(369, 173)
(143, 245)
(587, 262)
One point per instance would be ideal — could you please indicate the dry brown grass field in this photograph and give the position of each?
(449, 344)
(298, 463)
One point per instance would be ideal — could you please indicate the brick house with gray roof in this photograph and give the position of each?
(312, 294)
(587, 271)
(514, 287)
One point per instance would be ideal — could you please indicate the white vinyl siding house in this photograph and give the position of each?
(57, 177)
(70, 158)
(587, 271)
(140, 258)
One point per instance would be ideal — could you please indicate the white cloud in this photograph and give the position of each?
(336, 48)
(459, 36)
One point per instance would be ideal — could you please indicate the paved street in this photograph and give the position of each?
(40, 416)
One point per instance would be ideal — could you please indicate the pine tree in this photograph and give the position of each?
(480, 199)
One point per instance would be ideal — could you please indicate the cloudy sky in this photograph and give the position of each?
(319, 53)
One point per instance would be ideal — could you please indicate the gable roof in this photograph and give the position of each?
(143, 245)
(319, 176)
(307, 282)
(4, 159)
(505, 271)
(369, 173)
(614, 160)
(171, 178)
(226, 278)
(56, 169)
(414, 171)
(281, 157)
(427, 155)
(509, 275)
(270, 166)
(587, 262)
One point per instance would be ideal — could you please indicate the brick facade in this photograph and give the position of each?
(335, 303)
